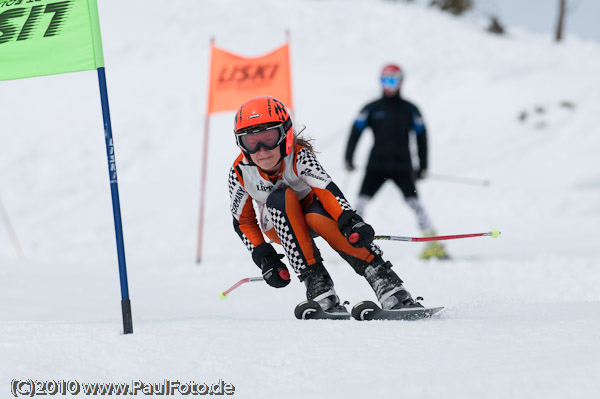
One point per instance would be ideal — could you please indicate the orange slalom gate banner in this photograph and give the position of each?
(234, 79)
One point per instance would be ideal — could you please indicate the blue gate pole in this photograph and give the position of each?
(114, 189)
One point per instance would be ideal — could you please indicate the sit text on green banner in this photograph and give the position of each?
(47, 37)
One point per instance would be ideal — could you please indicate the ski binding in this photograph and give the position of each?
(369, 310)
(311, 310)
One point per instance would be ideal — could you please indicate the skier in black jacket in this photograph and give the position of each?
(392, 120)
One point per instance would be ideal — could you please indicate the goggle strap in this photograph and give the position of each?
(287, 125)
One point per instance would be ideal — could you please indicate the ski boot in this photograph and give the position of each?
(388, 286)
(319, 288)
(433, 249)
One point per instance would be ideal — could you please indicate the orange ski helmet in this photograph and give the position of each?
(258, 114)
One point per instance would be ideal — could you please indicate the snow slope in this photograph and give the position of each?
(522, 312)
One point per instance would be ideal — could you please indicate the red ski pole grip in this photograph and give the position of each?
(353, 238)
(284, 274)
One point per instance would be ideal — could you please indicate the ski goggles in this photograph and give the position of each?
(268, 138)
(391, 82)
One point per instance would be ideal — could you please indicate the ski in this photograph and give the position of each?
(311, 310)
(368, 310)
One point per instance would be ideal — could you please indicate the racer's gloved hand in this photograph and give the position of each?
(358, 233)
(273, 269)
(350, 166)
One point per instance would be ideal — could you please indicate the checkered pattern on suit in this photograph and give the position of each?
(307, 160)
(288, 240)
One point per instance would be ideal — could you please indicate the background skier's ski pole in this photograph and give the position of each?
(494, 234)
(459, 179)
(223, 294)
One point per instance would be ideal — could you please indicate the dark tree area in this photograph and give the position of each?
(455, 7)
(495, 26)
(562, 10)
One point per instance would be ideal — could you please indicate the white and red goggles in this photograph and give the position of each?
(268, 138)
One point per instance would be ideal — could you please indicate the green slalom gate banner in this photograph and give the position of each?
(47, 37)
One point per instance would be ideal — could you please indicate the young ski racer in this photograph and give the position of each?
(296, 201)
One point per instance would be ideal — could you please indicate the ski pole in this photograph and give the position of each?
(459, 179)
(223, 294)
(494, 234)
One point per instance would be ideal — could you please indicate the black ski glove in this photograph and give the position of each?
(273, 269)
(358, 233)
(421, 174)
